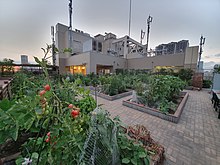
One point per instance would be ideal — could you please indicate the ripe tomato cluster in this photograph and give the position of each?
(43, 100)
(46, 88)
(74, 111)
(48, 138)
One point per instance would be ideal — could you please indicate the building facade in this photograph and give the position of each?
(106, 53)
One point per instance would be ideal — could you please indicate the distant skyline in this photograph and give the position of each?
(25, 24)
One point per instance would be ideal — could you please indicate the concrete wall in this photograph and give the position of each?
(78, 39)
(87, 45)
(151, 62)
(191, 57)
(101, 59)
(107, 45)
(134, 55)
(62, 64)
(60, 37)
(80, 59)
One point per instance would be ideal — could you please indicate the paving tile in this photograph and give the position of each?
(195, 140)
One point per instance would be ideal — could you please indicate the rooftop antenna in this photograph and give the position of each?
(70, 14)
(142, 35)
(129, 24)
(70, 23)
(149, 20)
(202, 42)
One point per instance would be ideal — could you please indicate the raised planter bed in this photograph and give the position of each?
(107, 97)
(141, 134)
(155, 112)
(10, 150)
(5, 88)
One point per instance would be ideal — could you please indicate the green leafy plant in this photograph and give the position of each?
(185, 75)
(160, 92)
(206, 83)
(115, 86)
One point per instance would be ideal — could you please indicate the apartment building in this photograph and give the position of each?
(106, 53)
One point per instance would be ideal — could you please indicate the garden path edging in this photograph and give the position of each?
(110, 98)
(169, 117)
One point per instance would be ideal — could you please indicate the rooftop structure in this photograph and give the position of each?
(104, 53)
(24, 59)
(172, 48)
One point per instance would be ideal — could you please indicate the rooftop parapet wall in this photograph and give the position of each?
(151, 62)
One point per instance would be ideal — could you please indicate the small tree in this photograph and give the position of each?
(7, 65)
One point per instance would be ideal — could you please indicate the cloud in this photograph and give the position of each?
(217, 55)
(209, 65)
(206, 56)
(212, 55)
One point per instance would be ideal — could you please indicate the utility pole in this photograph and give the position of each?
(202, 42)
(129, 24)
(149, 20)
(53, 46)
(70, 23)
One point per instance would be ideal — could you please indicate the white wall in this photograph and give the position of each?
(216, 81)
(87, 45)
(134, 55)
(80, 59)
(191, 55)
(101, 59)
(151, 62)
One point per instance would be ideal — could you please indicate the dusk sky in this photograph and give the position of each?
(25, 24)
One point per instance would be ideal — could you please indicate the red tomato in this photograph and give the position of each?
(47, 140)
(70, 106)
(74, 113)
(47, 87)
(48, 134)
(75, 116)
(42, 92)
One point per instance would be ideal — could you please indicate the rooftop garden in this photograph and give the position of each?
(55, 120)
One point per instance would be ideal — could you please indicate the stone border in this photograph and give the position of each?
(110, 98)
(169, 117)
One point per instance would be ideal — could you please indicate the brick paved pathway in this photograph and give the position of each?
(195, 140)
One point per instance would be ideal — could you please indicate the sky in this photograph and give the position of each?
(25, 24)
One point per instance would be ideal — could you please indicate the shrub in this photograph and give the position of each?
(207, 83)
(185, 74)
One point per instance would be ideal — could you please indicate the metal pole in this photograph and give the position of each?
(202, 42)
(129, 26)
(53, 46)
(70, 23)
(149, 20)
(70, 14)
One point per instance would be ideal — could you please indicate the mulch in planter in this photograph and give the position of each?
(10, 148)
(141, 134)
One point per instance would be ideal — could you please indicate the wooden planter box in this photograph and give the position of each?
(155, 112)
(141, 134)
(107, 97)
(5, 88)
